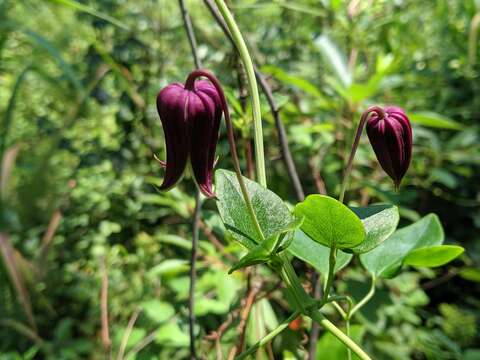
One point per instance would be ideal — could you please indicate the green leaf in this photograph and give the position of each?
(295, 81)
(316, 254)
(335, 59)
(158, 311)
(386, 259)
(272, 213)
(258, 255)
(433, 256)
(330, 222)
(169, 267)
(471, 274)
(171, 335)
(380, 221)
(434, 120)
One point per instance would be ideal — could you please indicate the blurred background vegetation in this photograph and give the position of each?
(79, 206)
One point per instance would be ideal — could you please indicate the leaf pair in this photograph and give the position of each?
(366, 231)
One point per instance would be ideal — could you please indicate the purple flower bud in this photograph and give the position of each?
(190, 116)
(390, 134)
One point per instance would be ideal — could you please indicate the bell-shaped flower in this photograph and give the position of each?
(390, 134)
(190, 116)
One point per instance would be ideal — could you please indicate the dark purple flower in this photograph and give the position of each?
(190, 116)
(390, 134)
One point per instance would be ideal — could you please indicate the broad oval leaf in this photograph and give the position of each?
(380, 221)
(433, 256)
(272, 213)
(315, 254)
(386, 259)
(330, 222)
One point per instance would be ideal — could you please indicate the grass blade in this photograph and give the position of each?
(89, 10)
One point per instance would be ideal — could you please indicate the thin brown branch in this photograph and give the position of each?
(126, 334)
(8, 162)
(187, 22)
(253, 291)
(193, 272)
(315, 331)
(142, 344)
(106, 342)
(214, 240)
(198, 200)
(48, 237)
(9, 257)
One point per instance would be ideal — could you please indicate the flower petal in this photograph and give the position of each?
(171, 104)
(205, 114)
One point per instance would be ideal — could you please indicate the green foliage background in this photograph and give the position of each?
(78, 82)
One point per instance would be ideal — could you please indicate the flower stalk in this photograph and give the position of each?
(356, 142)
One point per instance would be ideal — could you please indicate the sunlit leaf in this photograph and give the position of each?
(433, 256)
(329, 222)
(386, 259)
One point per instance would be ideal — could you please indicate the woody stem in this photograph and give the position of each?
(189, 84)
(356, 141)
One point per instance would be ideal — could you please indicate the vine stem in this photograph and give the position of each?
(329, 326)
(356, 141)
(353, 309)
(252, 82)
(367, 297)
(331, 272)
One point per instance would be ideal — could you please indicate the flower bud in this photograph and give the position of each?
(190, 116)
(390, 134)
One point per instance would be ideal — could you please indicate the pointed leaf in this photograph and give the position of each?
(386, 259)
(433, 256)
(329, 222)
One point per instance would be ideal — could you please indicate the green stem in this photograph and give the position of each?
(367, 297)
(349, 343)
(290, 278)
(349, 352)
(306, 302)
(331, 272)
(269, 337)
(340, 310)
(252, 82)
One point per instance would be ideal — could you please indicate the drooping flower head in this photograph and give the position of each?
(390, 134)
(190, 116)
